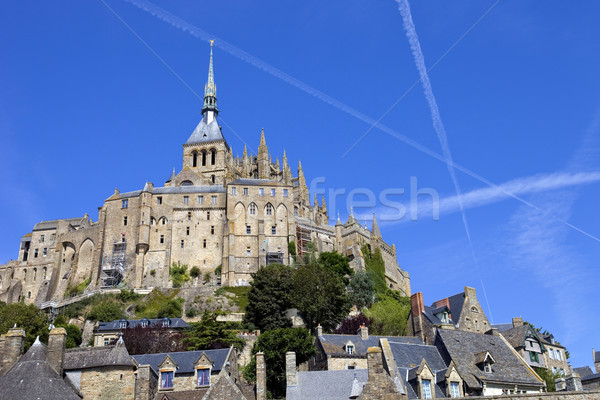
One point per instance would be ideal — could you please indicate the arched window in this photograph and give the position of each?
(213, 156)
(203, 157)
(269, 209)
(186, 183)
(163, 221)
(152, 221)
(252, 209)
(474, 309)
(194, 158)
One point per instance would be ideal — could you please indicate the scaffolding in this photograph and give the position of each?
(304, 238)
(275, 257)
(113, 269)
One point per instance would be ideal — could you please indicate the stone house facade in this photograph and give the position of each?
(219, 210)
(107, 333)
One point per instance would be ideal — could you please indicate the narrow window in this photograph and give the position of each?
(214, 199)
(189, 215)
(272, 192)
(125, 221)
(53, 236)
(182, 243)
(203, 157)
(186, 199)
(212, 230)
(194, 158)
(233, 191)
(248, 229)
(45, 251)
(124, 203)
(295, 211)
(350, 349)
(200, 199)
(285, 193)
(248, 251)
(187, 231)
(162, 239)
(159, 200)
(35, 253)
(208, 215)
(28, 295)
(426, 388)
(42, 238)
(34, 274)
(261, 192)
(212, 178)
(25, 275)
(269, 209)
(273, 230)
(45, 273)
(164, 221)
(245, 191)
(213, 157)
(204, 243)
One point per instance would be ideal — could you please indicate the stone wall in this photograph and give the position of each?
(108, 383)
(592, 395)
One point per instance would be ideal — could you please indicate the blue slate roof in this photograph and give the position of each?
(177, 190)
(583, 371)
(326, 385)
(132, 323)
(333, 345)
(255, 182)
(204, 132)
(184, 359)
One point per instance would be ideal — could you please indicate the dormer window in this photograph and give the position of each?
(349, 348)
(203, 377)
(426, 388)
(145, 323)
(166, 380)
(123, 324)
(487, 367)
(166, 322)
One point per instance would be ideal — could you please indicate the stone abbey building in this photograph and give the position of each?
(219, 210)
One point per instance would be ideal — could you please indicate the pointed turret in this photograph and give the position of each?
(302, 185)
(339, 221)
(263, 157)
(316, 201)
(375, 232)
(172, 176)
(210, 89)
(323, 205)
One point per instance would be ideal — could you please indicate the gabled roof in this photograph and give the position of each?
(92, 357)
(33, 378)
(334, 345)
(205, 133)
(517, 336)
(462, 347)
(456, 305)
(583, 371)
(132, 323)
(53, 224)
(184, 359)
(327, 385)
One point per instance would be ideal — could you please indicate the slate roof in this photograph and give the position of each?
(456, 304)
(430, 312)
(503, 327)
(196, 394)
(206, 132)
(333, 345)
(517, 335)
(583, 371)
(177, 190)
(255, 182)
(33, 378)
(462, 348)
(327, 385)
(53, 224)
(184, 359)
(132, 323)
(590, 377)
(92, 357)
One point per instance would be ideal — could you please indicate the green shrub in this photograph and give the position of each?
(106, 312)
(195, 272)
(79, 289)
(152, 272)
(158, 305)
(178, 274)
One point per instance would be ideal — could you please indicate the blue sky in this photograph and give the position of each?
(86, 107)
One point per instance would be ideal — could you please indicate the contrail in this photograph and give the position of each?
(236, 52)
(438, 125)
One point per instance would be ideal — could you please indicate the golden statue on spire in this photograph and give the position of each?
(211, 42)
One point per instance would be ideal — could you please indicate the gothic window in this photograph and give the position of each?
(164, 221)
(269, 209)
(194, 158)
(203, 158)
(252, 209)
(213, 156)
(152, 221)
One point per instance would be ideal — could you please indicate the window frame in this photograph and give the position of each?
(426, 385)
(168, 374)
(125, 203)
(205, 380)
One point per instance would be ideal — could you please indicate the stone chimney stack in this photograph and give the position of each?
(363, 332)
(416, 304)
(573, 382)
(261, 377)
(517, 321)
(379, 384)
(13, 348)
(319, 330)
(56, 349)
(146, 383)
(470, 292)
(290, 369)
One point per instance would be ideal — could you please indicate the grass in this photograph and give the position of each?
(158, 305)
(240, 293)
(77, 290)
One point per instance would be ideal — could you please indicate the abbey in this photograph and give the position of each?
(236, 213)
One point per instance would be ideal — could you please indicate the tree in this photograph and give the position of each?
(337, 263)
(390, 315)
(269, 297)
(274, 344)
(106, 312)
(360, 290)
(350, 325)
(375, 266)
(27, 317)
(210, 334)
(74, 334)
(320, 296)
(152, 339)
(549, 377)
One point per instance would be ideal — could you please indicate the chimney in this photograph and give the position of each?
(442, 302)
(319, 330)
(363, 331)
(470, 292)
(261, 377)
(573, 382)
(13, 348)
(560, 384)
(416, 304)
(374, 360)
(517, 321)
(379, 384)
(146, 383)
(56, 349)
(290, 369)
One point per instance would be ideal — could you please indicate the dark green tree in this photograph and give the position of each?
(274, 344)
(73, 332)
(360, 290)
(210, 334)
(320, 296)
(549, 377)
(105, 312)
(337, 263)
(375, 266)
(389, 314)
(269, 297)
(27, 317)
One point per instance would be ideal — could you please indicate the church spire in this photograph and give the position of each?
(375, 232)
(210, 89)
